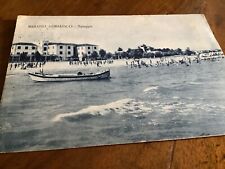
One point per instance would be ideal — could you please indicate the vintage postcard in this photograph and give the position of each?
(77, 81)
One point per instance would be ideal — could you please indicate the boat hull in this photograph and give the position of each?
(38, 77)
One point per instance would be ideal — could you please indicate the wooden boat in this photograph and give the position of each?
(42, 77)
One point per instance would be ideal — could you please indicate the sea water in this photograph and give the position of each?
(136, 104)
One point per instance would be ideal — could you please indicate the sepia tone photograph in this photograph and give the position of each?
(78, 81)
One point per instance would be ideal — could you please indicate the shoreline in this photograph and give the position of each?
(107, 64)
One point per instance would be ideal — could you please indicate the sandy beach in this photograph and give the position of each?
(65, 66)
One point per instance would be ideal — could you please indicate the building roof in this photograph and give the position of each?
(24, 43)
(56, 43)
(86, 44)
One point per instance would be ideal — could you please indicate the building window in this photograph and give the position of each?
(89, 53)
(18, 53)
(32, 53)
(69, 52)
(33, 47)
(95, 47)
(68, 47)
(45, 48)
(26, 47)
(60, 47)
(60, 52)
(89, 47)
(18, 47)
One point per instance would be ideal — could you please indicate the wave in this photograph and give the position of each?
(151, 88)
(5, 126)
(9, 75)
(122, 106)
(194, 83)
(168, 108)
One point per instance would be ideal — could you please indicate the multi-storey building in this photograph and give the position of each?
(60, 51)
(64, 51)
(22, 48)
(84, 50)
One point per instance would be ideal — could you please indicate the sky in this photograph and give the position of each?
(111, 32)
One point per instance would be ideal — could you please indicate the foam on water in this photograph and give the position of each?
(168, 108)
(151, 88)
(9, 75)
(5, 126)
(194, 83)
(191, 105)
(122, 106)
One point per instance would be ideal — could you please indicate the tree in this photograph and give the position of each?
(118, 53)
(151, 48)
(94, 55)
(23, 57)
(179, 51)
(188, 51)
(158, 54)
(109, 55)
(102, 53)
(119, 49)
(148, 55)
(37, 56)
(129, 50)
(135, 53)
(124, 55)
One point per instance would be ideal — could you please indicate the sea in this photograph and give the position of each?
(134, 105)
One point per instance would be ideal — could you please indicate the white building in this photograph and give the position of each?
(86, 50)
(64, 51)
(22, 48)
(53, 50)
